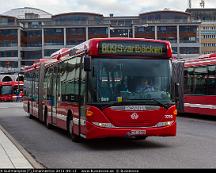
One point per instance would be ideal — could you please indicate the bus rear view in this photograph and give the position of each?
(6, 91)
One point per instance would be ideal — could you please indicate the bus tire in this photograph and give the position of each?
(28, 107)
(30, 116)
(74, 137)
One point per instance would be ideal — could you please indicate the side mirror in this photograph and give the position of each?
(87, 63)
(177, 90)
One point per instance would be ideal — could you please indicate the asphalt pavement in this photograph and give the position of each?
(193, 147)
(12, 154)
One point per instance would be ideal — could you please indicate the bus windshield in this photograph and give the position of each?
(6, 90)
(128, 80)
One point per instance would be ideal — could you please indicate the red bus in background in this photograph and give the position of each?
(200, 85)
(11, 91)
(81, 89)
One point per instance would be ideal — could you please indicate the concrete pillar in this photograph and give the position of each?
(65, 38)
(200, 39)
(133, 31)
(42, 34)
(109, 32)
(155, 32)
(178, 42)
(19, 48)
(87, 33)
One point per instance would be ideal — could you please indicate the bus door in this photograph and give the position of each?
(54, 95)
(41, 92)
(82, 98)
(32, 94)
(36, 94)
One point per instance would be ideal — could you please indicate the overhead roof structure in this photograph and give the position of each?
(20, 13)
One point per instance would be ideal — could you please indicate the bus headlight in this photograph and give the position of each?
(105, 125)
(162, 124)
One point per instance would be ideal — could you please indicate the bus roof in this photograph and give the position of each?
(208, 59)
(37, 64)
(118, 46)
(115, 46)
(61, 52)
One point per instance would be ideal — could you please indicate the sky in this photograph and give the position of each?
(105, 7)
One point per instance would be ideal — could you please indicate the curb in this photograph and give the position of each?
(32, 161)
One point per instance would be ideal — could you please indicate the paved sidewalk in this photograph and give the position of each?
(10, 156)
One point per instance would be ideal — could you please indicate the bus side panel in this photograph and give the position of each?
(41, 92)
(62, 113)
(35, 109)
(62, 117)
(205, 105)
(25, 104)
(49, 109)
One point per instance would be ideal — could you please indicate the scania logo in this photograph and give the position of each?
(134, 116)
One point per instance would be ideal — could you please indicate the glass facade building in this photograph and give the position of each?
(8, 38)
(31, 38)
(37, 34)
(75, 36)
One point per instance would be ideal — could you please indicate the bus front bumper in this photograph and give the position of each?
(94, 131)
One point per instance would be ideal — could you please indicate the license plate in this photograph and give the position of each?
(136, 132)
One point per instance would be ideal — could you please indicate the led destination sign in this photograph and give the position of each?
(132, 48)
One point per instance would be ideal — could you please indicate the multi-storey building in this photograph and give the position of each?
(174, 26)
(208, 27)
(27, 34)
(208, 37)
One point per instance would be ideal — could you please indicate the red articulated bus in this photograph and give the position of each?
(90, 89)
(200, 85)
(11, 91)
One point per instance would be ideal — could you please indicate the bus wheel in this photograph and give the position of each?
(73, 136)
(30, 116)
